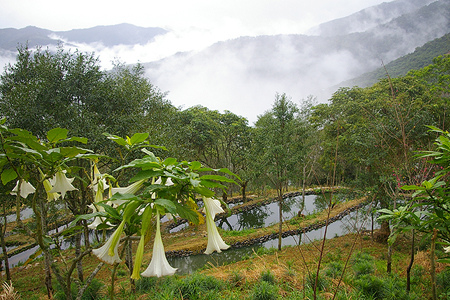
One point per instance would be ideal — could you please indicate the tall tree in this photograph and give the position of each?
(275, 151)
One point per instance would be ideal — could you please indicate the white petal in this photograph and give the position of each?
(103, 252)
(159, 266)
(447, 249)
(62, 184)
(212, 206)
(25, 189)
(215, 242)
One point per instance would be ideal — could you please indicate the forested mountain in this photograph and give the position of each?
(368, 18)
(125, 34)
(421, 57)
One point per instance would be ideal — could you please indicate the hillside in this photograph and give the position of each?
(421, 57)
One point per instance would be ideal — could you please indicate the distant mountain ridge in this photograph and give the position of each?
(368, 18)
(420, 58)
(249, 69)
(121, 34)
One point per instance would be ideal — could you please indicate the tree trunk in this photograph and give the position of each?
(77, 253)
(280, 227)
(5, 253)
(2, 240)
(408, 269)
(243, 191)
(433, 264)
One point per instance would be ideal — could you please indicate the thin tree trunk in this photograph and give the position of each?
(5, 253)
(280, 226)
(408, 269)
(88, 281)
(2, 240)
(77, 253)
(433, 264)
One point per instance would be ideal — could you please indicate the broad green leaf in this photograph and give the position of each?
(187, 213)
(217, 177)
(146, 174)
(195, 165)
(138, 138)
(170, 161)
(73, 151)
(116, 139)
(8, 175)
(56, 134)
(204, 191)
(77, 139)
(167, 204)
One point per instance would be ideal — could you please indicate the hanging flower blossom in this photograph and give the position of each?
(215, 242)
(108, 253)
(97, 220)
(48, 187)
(25, 189)
(131, 189)
(159, 266)
(447, 249)
(62, 184)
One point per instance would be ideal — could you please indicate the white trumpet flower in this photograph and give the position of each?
(109, 253)
(447, 249)
(25, 189)
(159, 266)
(97, 220)
(215, 242)
(62, 184)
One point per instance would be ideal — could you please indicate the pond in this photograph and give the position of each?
(354, 221)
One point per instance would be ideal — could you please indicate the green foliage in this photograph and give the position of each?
(199, 286)
(264, 290)
(443, 282)
(334, 269)
(92, 292)
(370, 286)
(267, 276)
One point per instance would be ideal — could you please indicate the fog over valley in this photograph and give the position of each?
(242, 74)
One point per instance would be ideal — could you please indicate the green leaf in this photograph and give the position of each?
(138, 138)
(204, 191)
(56, 134)
(217, 177)
(187, 213)
(77, 139)
(170, 161)
(195, 165)
(116, 139)
(8, 175)
(145, 174)
(167, 204)
(73, 151)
